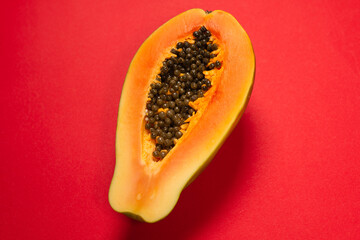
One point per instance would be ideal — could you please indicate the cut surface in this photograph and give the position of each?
(147, 189)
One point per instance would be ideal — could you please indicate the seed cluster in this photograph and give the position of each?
(181, 80)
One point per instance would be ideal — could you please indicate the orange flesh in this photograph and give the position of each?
(148, 144)
(150, 189)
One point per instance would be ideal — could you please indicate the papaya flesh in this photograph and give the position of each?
(145, 187)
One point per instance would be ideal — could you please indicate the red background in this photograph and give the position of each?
(290, 169)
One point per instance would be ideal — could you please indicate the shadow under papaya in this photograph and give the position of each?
(199, 202)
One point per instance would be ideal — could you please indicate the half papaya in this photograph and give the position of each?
(185, 90)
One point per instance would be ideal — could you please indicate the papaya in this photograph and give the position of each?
(185, 90)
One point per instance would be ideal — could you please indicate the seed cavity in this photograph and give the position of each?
(181, 81)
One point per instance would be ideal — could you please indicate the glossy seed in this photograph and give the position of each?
(179, 45)
(178, 134)
(163, 154)
(217, 64)
(160, 140)
(156, 153)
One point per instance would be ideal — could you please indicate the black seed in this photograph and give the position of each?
(150, 113)
(217, 64)
(186, 44)
(203, 29)
(163, 154)
(178, 122)
(181, 91)
(212, 55)
(193, 98)
(189, 77)
(214, 47)
(160, 140)
(158, 147)
(196, 34)
(156, 153)
(171, 104)
(201, 68)
(154, 108)
(204, 43)
(170, 113)
(153, 91)
(172, 82)
(169, 135)
(167, 121)
(178, 134)
(178, 102)
(176, 109)
(168, 142)
(188, 94)
(151, 120)
(182, 55)
(179, 45)
(186, 101)
(207, 82)
(175, 95)
(162, 115)
(160, 102)
(176, 72)
(199, 76)
(153, 135)
(161, 124)
(174, 51)
(165, 69)
(147, 126)
(182, 78)
(191, 111)
(193, 85)
(170, 63)
(211, 66)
